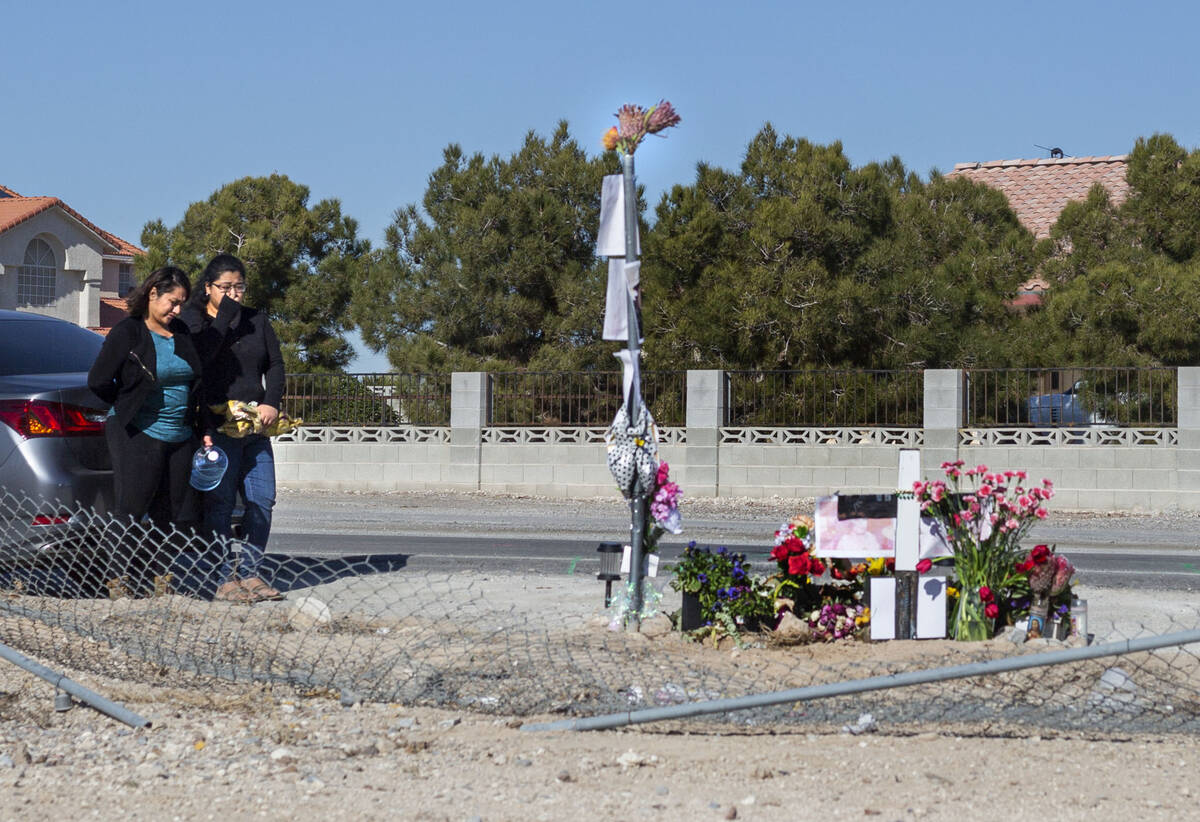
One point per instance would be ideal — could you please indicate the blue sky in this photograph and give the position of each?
(129, 111)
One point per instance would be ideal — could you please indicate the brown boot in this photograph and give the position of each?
(118, 588)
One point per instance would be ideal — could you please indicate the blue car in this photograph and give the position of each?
(1067, 408)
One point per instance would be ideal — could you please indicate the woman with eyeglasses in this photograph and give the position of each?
(148, 370)
(243, 362)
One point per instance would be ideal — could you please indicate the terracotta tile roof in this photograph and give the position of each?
(1038, 190)
(5, 191)
(112, 311)
(16, 210)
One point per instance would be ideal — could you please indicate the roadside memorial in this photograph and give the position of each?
(632, 438)
(940, 560)
(905, 604)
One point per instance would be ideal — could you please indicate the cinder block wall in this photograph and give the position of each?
(363, 466)
(1108, 476)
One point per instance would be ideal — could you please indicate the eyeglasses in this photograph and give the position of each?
(225, 288)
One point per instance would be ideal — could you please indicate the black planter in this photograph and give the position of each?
(690, 615)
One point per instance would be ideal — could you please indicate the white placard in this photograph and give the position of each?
(933, 542)
(649, 562)
(610, 239)
(931, 607)
(622, 278)
(883, 608)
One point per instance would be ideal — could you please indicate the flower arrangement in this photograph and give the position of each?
(1048, 585)
(722, 582)
(635, 122)
(794, 586)
(983, 515)
(793, 554)
(836, 620)
(664, 509)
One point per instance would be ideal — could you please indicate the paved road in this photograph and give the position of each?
(1141, 567)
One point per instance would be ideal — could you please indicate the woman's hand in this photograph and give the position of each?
(267, 414)
(208, 443)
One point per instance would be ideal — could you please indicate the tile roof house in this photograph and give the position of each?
(1038, 191)
(55, 261)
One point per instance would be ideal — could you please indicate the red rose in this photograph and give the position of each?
(816, 567)
(985, 593)
(779, 553)
(1025, 567)
(794, 545)
(991, 610)
(924, 565)
(1040, 554)
(798, 564)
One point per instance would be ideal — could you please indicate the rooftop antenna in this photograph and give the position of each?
(1056, 153)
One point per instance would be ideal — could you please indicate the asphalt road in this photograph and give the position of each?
(1140, 567)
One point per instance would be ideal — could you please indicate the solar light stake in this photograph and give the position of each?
(610, 567)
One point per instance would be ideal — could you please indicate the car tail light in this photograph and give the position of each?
(51, 519)
(41, 418)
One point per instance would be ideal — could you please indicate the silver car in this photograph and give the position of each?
(54, 461)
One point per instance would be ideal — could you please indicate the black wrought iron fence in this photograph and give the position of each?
(1041, 397)
(369, 399)
(826, 398)
(585, 398)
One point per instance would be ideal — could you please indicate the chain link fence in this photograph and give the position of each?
(83, 590)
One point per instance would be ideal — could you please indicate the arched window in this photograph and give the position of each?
(36, 278)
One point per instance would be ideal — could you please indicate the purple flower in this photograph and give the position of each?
(631, 122)
(661, 116)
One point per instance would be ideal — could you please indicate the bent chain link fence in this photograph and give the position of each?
(130, 601)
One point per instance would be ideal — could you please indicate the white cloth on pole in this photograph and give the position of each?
(626, 372)
(610, 239)
(622, 279)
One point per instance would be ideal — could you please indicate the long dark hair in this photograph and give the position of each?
(217, 266)
(164, 279)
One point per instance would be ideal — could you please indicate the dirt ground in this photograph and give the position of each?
(227, 754)
(232, 752)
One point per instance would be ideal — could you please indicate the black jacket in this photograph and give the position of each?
(125, 370)
(241, 355)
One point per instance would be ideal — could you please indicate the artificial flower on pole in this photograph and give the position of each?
(635, 122)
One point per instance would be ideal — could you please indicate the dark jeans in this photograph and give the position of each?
(252, 470)
(150, 478)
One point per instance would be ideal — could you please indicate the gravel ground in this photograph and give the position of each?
(226, 752)
(235, 756)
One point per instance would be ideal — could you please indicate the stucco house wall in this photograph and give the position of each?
(78, 261)
(87, 259)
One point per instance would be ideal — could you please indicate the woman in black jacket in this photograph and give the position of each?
(243, 362)
(148, 370)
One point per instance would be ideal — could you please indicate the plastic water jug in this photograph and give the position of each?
(208, 467)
